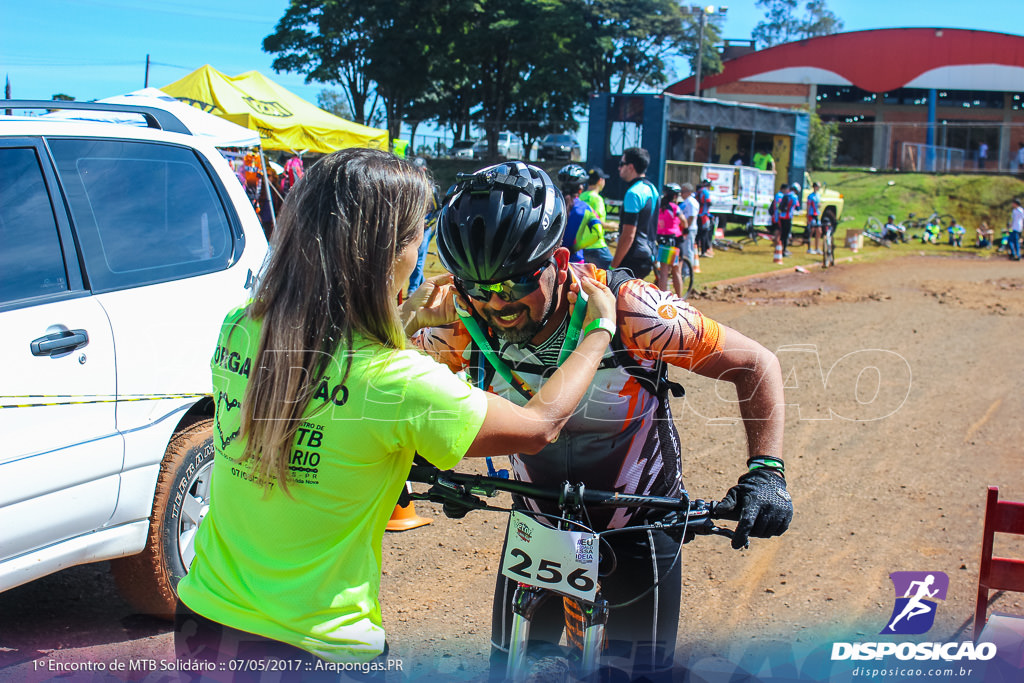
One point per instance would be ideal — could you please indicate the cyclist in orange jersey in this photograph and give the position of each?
(509, 326)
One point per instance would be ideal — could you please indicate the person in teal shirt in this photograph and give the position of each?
(320, 407)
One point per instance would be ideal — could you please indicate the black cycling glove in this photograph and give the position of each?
(760, 503)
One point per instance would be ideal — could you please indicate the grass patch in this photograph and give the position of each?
(971, 199)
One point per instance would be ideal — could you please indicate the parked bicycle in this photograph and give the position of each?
(559, 555)
(930, 227)
(726, 244)
(686, 268)
(754, 235)
(874, 231)
(828, 244)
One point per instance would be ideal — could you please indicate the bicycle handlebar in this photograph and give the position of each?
(462, 491)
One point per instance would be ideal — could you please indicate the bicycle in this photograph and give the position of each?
(725, 244)
(754, 235)
(828, 243)
(930, 226)
(563, 560)
(875, 231)
(686, 268)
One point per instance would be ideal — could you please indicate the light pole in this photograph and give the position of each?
(702, 22)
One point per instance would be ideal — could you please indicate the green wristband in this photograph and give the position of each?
(767, 462)
(600, 324)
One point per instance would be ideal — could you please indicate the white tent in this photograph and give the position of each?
(223, 133)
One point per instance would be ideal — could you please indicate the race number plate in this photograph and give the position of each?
(563, 561)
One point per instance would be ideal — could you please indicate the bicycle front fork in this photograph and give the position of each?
(585, 631)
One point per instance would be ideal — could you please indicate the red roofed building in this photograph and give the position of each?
(895, 92)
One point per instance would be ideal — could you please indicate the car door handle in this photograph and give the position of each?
(59, 342)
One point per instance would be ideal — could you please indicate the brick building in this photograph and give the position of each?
(910, 98)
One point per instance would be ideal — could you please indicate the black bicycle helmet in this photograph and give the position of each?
(572, 178)
(502, 222)
(671, 188)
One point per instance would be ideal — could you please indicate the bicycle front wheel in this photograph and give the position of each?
(828, 247)
(686, 267)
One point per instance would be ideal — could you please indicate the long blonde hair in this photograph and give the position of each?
(330, 276)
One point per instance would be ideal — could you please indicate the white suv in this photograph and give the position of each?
(510, 146)
(121, 250)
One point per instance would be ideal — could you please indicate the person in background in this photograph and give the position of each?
(434, 205)
(583, 231)
(705, 235)
(1016, 226)
(592, 195)
(737, 159)
(320, 408)
(638, 226)
(893, 232)
(764, 160)
(985, 234)
(1019, 158)
(814, 220)
(982, 154)
(671, 224)
(688, 203)
(773, 212)
(597, 251)
(788, 205)
(956, 233)
(293, 172)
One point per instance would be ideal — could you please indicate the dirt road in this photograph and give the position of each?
(904, 391)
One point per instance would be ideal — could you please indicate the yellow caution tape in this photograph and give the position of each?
(69, 400)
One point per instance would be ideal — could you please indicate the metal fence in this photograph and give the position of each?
(956, 146)
(933, 158)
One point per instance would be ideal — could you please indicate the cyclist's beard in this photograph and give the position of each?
(528, 329)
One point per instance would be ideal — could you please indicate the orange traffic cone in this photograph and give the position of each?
(778, 254)
(696, 261)
(405, 517)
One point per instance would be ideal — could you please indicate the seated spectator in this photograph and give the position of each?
(984, 236)
(956, 233)
(892, 231)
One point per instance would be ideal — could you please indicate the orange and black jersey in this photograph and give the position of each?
(621, 437)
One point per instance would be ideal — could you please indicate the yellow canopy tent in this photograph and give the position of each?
(284, 120)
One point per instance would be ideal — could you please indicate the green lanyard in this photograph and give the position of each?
(572, 336)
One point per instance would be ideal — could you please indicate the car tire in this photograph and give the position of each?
(149, 580)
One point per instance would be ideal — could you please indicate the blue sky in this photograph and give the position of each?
(97, 48)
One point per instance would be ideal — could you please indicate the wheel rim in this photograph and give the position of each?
(193, 509)
(687, 272)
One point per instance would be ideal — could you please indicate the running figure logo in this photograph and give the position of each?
(917, 596)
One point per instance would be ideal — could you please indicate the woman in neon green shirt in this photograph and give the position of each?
(319, 410)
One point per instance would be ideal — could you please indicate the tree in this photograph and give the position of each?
(63, 98)
(711, 59)
(378, 49)
(820, 20)
(334, 102)
(822, 142)
(782, 25)
(520, 53)
(626, 45)
(327, 42)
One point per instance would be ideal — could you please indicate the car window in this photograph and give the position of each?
(144, 212)
(31, 260)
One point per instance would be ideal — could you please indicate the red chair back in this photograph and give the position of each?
(998, 573)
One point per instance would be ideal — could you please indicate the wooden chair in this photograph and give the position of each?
(998, 573)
